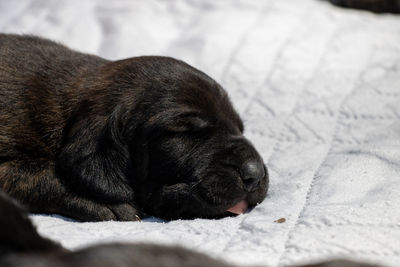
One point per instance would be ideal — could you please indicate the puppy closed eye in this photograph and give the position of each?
(190, 123)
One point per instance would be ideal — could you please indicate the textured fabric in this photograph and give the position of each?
(319, 90)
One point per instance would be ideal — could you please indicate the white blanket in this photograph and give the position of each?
(319, 91)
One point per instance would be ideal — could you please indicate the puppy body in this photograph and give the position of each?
(42, 84)
(99, 140)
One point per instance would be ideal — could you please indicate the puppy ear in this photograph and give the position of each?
(95, 157)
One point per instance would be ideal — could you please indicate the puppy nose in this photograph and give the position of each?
(252, 172)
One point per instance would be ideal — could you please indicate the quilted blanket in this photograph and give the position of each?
(319, 90)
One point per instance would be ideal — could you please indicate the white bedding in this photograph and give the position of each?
(319, 91)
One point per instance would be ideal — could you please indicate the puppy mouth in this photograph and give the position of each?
(221, 208)
(239, 208)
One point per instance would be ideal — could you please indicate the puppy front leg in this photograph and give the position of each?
(33, 183)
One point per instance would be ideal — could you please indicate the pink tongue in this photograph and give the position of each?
(239, 208)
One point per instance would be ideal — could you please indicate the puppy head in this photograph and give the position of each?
(190, 158)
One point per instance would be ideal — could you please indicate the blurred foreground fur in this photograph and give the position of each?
(21, 245)
(377, 6)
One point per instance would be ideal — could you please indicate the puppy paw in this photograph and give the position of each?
(124, 212)
(93, 213)
(90, 211)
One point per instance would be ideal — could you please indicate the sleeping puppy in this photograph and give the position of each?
(97, 140)
(21, 245)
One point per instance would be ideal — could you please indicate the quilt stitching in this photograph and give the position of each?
(316, 172)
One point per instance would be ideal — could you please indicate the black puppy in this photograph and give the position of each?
(21, 245)
(97, 140)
